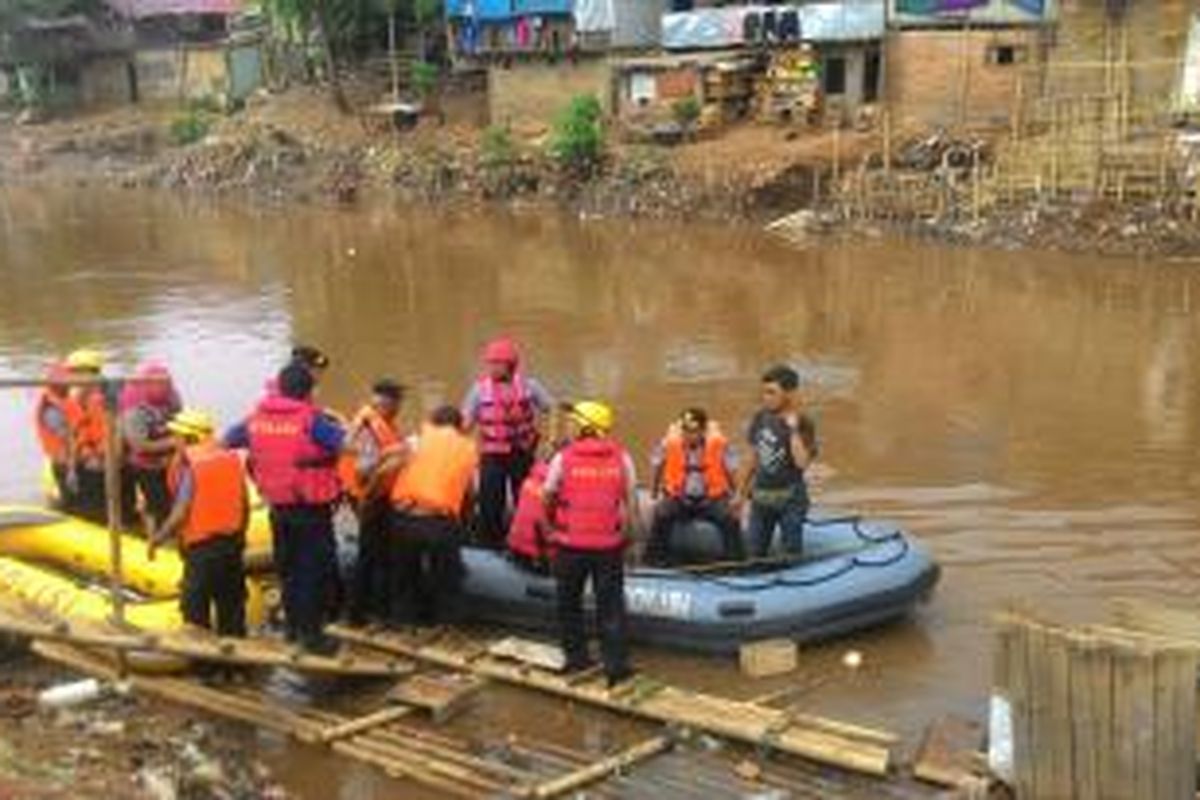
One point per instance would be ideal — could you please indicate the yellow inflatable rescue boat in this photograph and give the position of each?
(258, 533)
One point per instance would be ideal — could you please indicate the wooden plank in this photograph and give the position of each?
(200, 645)
(359, 724)
(718, 716)
(602, 768)
(1142, 722)
(526, 651)
(1059, 714)
(1164, 746)
(1041, 754)
(1022, 715)
(1184, 706)
(948, 753)
(1120, 784)
(442, 695)
(1103, 695)
(1084, 719)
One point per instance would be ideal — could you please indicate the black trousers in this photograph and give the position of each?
(214, 579)
(370, 586)
(306, 562)
(66, 497)
(426, 569)
(671, 510)
(606, 570)
(500, 477)
(156, 495)
(89, 501)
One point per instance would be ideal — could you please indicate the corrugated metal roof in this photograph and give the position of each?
(842, 22)
(137, 9)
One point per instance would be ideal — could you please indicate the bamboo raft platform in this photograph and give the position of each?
(850, 747)
(199, 645)
(519, 766)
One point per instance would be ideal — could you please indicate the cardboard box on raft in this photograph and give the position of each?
(768, 657)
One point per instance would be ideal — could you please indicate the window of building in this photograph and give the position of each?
(833, 76)
(1006, 55)
(872, 72)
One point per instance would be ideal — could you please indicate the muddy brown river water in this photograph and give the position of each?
(1033, 416)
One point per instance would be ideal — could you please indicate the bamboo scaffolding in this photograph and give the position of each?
(602, 768)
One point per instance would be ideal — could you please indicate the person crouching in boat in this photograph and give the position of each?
(209, 513)
(146, 406)
(56, 416)
(694, 469)
(590, 500)
(90, 431)
(429, 498)
(294, 449)
(529, 536)
(783, 443)
(367, 477)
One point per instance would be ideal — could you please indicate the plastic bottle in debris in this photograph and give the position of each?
(75, 693)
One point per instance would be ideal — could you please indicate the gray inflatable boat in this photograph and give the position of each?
(855, 573)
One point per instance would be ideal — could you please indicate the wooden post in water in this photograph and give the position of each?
(112, 498)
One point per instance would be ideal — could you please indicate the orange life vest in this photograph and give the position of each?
(387, 436)
(218, 493)
(91, 430)
(676, 467)
(524, 537)
(437, 477)
(54, 444)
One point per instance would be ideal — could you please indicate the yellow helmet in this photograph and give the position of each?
(192, 424)
(85, 359)
(593, 414)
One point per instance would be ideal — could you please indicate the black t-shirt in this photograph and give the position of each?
(770, 437)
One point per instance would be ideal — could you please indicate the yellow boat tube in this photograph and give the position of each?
(258, 532)
(46, 590)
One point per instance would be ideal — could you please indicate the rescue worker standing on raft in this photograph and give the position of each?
(91, 435)
(210, 512)
(694, 471)
(590, 497)
(367, 477)
(56, 417)
(147, 404)
(293, 450)
(429, 497)
(504, 404)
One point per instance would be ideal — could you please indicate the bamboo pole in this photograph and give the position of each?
(603, 768)
(887, 143)
(360, 724)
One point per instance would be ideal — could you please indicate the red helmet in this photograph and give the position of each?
(502, 351)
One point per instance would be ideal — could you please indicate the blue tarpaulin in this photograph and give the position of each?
(521, 7)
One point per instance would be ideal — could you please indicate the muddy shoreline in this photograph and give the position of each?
(286, 156)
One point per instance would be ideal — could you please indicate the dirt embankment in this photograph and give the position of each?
(295, 147)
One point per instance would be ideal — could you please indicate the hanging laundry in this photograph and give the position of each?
(524, 33)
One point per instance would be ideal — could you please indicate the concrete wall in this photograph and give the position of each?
(105, 82)
(196, 72)
(534, 93)
(947, 78)
(1155, 33)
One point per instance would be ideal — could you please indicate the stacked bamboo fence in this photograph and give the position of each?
(1098, 712)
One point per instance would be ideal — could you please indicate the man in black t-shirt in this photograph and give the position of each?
(783, 443)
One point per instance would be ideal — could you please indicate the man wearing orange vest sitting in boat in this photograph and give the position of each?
(209, 513)
(590, 500)
(90, 431)
(694, 469)
(504, 406)
(429, 497)
(367, 476)
(56, 416)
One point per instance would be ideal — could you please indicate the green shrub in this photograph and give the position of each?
(190, 127)
(497, 149)
(424, 77)
(686, 111)
(577, 142)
